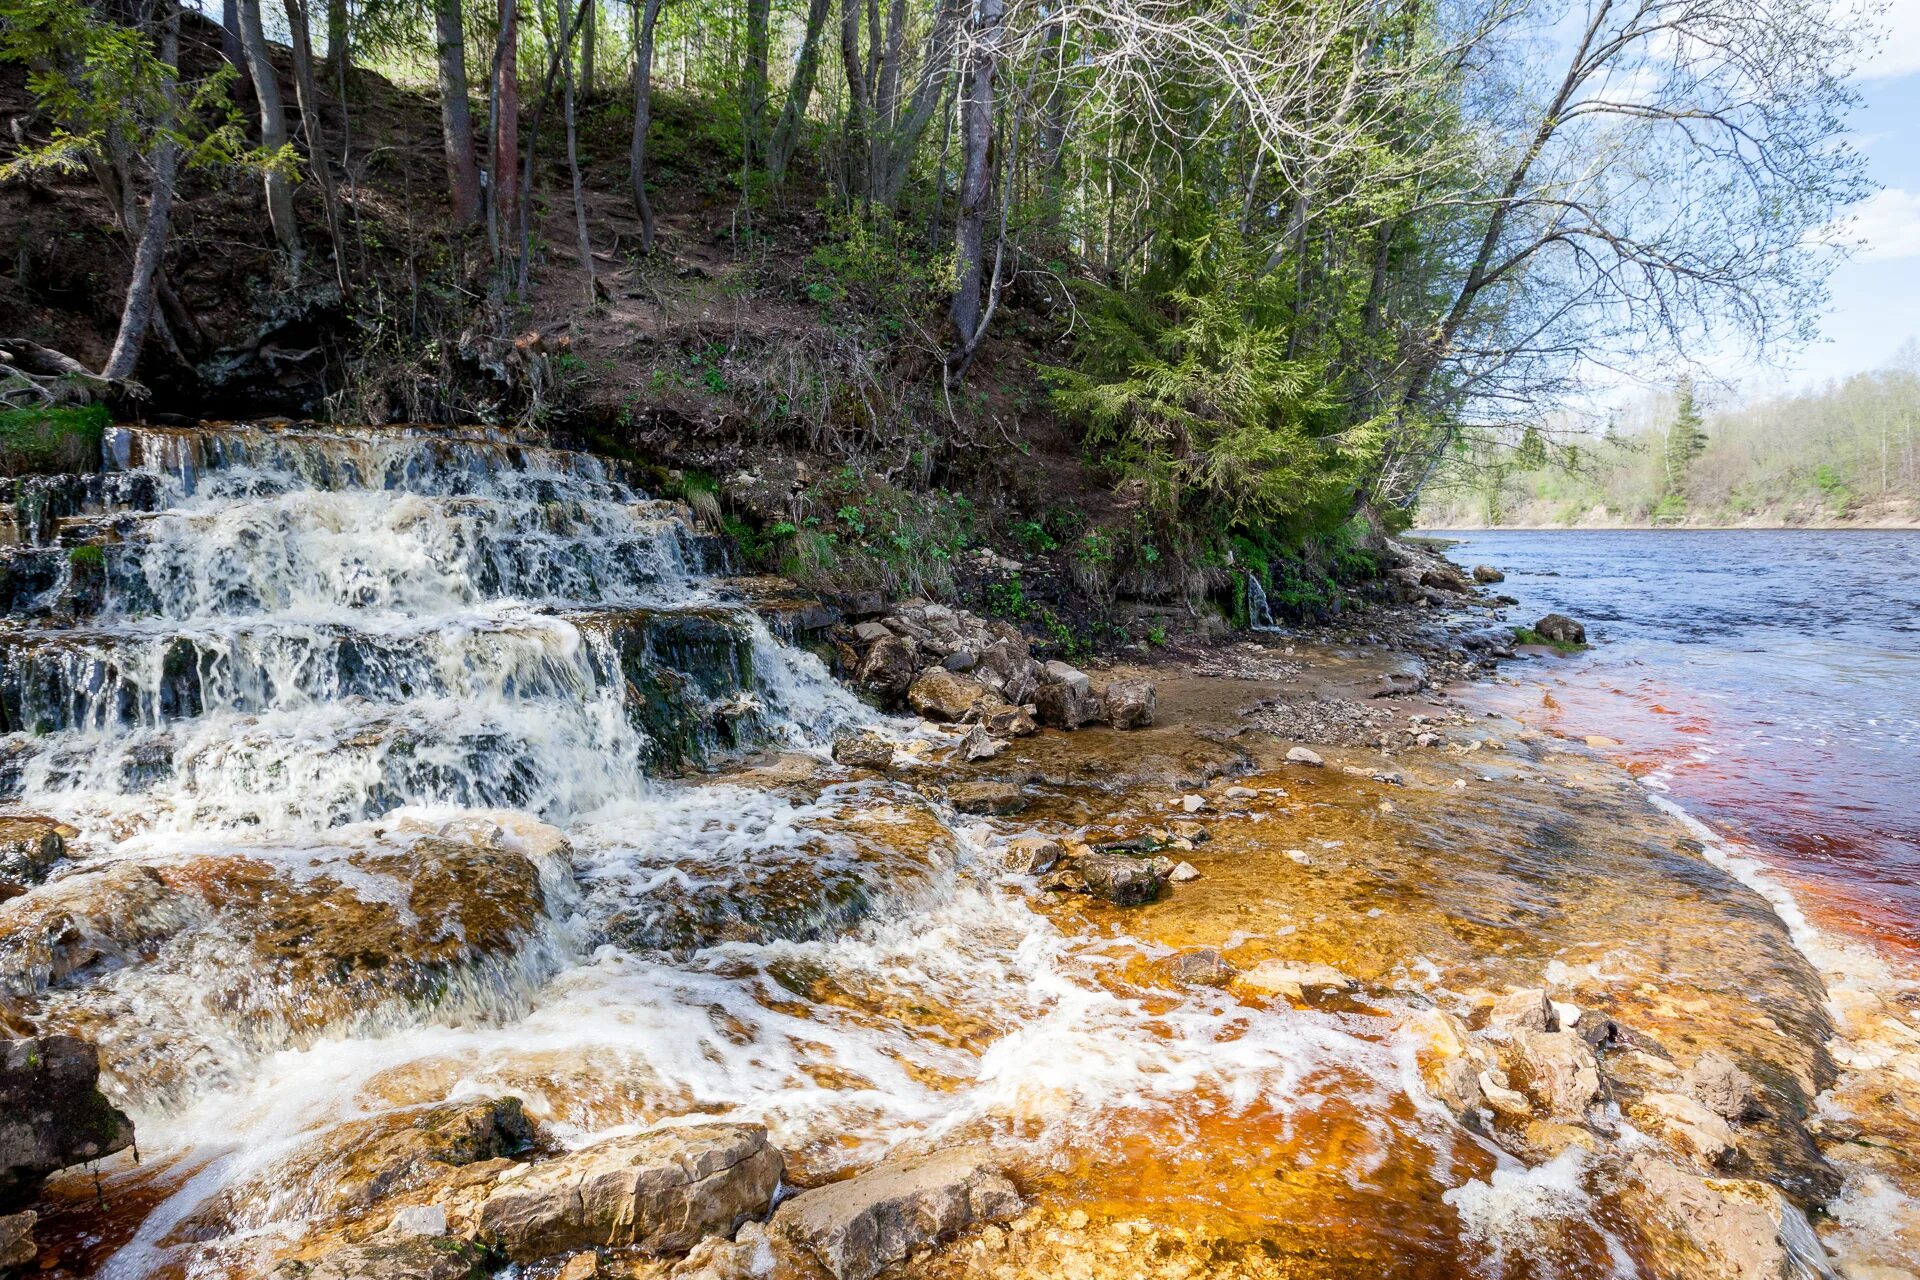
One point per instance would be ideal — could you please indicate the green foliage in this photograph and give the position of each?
(52, 440)
(1008, 599)
(87, 556)
(1033, 536)
(105, 88)
(1305, 581)
(871, 268)
(1185, 388)
(1686, 441)
(1833, 486)
(865, 533)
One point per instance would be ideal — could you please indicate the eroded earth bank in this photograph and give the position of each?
(457, 869)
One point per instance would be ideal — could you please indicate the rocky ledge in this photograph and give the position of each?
(951, 666)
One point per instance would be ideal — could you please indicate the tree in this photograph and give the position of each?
(646, 18)
(121, 111)
(307, 94)
(573, 153)
(456, 116)
(1686, 439)
(793, 112)
(505, 110)
(273, 137)
(976, 175)
(1665, 180)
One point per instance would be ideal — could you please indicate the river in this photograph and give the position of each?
(444, 809)
(1766, 680)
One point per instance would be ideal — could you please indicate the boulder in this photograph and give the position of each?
(1486, 573)
(856, 1229)
(1726, 1090)
(52, 1114)
(867, 750)
(1304, 755)
(1130, 703)
(114, 914)
(1497, 1091)
(1202, 967)
(980, 745)
(30, 846)
(1009, 722)
(660, 1191)
(1291, 978)
(1556, 1070)
(17, 1248)
(1058, 672)
(1123, 881)
(887, 669)
(410, 1258)
(1558, 628)
(1062, 706)
(987, 797)
(1698, 1228)
(870, 632)
(1033, 855)
(1685, 1125)
(1527, 1010)
(365, 1161)
(1007, 667)
(939, 694)
(961, 659)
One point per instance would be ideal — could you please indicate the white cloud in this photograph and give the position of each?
(1889, 224)
(1900, 54)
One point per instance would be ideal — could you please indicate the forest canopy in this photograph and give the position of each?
(1276, 263)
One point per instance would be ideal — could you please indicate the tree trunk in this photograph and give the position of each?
(573, 152)
(859, 157)
(230, 46)
(895, 158)
(456, 117)
(753, 81)
(307, 93)
(793, 113)
(506, 122)
(976, 171)
(643, 120)
(273, 134)
(338, 36)
(589, 24)
(137, 313)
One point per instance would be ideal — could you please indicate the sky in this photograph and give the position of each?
(1876, 296)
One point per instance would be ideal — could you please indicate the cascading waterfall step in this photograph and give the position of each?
(274, 625)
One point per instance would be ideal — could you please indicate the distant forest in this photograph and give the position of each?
(1848, 451)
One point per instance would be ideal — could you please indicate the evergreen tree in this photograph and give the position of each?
(1686, 439)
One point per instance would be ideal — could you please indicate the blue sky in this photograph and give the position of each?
(1876, 296)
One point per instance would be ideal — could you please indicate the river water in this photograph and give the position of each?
(1766, 680)
(416, 770)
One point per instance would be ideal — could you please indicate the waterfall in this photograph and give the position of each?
(1259, 613)
(295, 629)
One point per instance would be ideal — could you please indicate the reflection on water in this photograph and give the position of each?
(1769, 680)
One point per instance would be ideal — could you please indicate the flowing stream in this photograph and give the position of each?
(419, 764)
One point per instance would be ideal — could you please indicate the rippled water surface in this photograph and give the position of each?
(1769, 680)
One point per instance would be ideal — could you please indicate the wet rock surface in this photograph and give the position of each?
(52, 1114)
(661, 1192)
(856, 1229)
